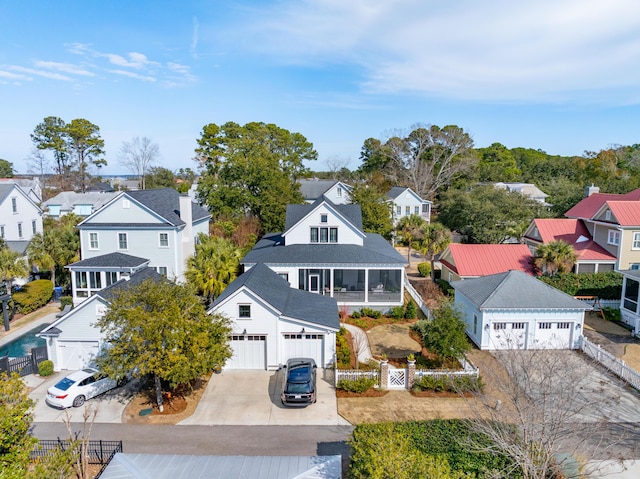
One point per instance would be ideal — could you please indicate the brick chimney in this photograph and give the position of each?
(589, 190)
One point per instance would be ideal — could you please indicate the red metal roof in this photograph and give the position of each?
(588, 207)
(576, 234)
(484, 259)
(626, 212)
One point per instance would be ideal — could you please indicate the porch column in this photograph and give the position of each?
(366, 285)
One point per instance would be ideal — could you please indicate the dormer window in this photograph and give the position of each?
(323, 218)
(323, 235)
(607, 215)
(339, 192)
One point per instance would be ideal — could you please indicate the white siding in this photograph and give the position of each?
(26, 213)
(332, 194)
(124, 210)
(300, 233)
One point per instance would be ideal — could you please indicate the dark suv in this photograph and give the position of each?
(299, 385)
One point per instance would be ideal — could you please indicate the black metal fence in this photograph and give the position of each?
(24, 365)
(98, 452)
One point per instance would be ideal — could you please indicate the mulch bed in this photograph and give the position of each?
(371, 393)
(440, 394)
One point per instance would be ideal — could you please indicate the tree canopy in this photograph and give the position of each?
(252, 169)
(376, 215)
(6, 169)
(137, 155)
(162, 329)
(444, 334)
(555, 257)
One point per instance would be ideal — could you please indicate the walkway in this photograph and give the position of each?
(359, 339)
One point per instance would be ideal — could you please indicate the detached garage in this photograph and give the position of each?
(273, 322)
(514, 310)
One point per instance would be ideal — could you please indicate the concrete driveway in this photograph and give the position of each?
(109, 406)
(252, 397)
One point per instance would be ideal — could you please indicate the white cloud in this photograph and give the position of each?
(42, 73)
(64, 67)
(498, 50)
(135, 60)
(13, 76)
(137, 76)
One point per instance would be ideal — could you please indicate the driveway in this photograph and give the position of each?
(252, 397)
(109, 406)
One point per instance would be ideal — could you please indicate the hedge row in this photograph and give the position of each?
(33, 295)
(603, 285)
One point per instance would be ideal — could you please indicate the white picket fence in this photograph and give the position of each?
(354, 374)
(416, 296)
(609, 361)
(604, 303)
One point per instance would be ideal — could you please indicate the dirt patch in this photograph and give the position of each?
(176, 407)
(594, 322)
(371, 393)
(393, 340)
(631, 356)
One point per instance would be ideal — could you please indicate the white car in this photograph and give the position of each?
(77, 387)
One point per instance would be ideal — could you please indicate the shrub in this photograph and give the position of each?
(424, 269)
(66, 301)
(359, 385)
(446, 287)
(448, 383)
(45, 368)
(603, 285)
(412, 311)
(397, 312)
(33, 295)
(371, 313)
(355, 314)
(343, 353)
(612, 314)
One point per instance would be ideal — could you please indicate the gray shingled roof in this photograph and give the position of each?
(68, 199)
(111, 260)
(515, 290)
(135, 279)
(395, 192)
(17, 246)
(313, 189)
(375, 250)
(166, 203)
(291, 302)
(352, 213)
(170, 466)
(5, 190)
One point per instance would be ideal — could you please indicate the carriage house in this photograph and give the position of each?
(325, 251)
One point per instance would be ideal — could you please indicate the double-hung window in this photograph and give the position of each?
(636, 240)
(614, 237)
(244, 311)
(93, 241)
(324, 234)
(19, 230)
(399, 210)
(122, 241)
(14, 205)
(34, 227)
(407, 210)
(416, 210)
(164, 240)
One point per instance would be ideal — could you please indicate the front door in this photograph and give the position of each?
(314, 283)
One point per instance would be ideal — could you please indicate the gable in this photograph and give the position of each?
(123, 210)
(624, 213)
(325, 219)
(79, 322)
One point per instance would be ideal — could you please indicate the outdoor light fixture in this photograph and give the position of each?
(486, 326)
(244, 333)
(302, 331)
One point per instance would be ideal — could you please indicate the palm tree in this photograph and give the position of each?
(434, 239)
(410, 229)
(58, 246)
(214, 265)
(555, 257)
(12, 265)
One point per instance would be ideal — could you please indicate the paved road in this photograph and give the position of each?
(214, 440)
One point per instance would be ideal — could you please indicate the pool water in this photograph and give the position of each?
(22, 345)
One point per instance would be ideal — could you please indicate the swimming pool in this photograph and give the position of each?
(22, 345)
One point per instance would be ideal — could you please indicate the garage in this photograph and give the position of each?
(304, 346)
(506, 335)
(249, 352)
(77, 354)
(553, 334)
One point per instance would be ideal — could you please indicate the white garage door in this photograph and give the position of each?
(506, 335)
(553, 335)
(304, 346)
(77, 354)
(249, 352)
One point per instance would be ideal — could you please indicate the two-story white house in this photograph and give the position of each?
(337, 192)
(324, 250)
(20, 217)
(156, 228)
(405, 202)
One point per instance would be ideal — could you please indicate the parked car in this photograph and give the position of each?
(299, 385)
(77, 387)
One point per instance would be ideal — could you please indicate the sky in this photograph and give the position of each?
(562, 76)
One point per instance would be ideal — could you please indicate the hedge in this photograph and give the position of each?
(343, 352)
(457, 384)
(33, 295)
(424, 269)
(359, 385)
(603, 285)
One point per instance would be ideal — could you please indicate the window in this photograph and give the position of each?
(498, 326)
(284, 276)
(475, 324)
(323, 218)
(607, 215)
(93, 241)
(14, 205)
(126, 203)
(111, 277)
(634, 266)
(544, 325)
(34, 227)
(82, 210)
(95, 280)
(314, 235)
(324, 235)
(19, 230)
(81, 279)
(339, 192)
(517, 325)
(563, 325)
(122, 240)
(2, 231)
(631, 295)
(407, 210)
(399, 210)
(636, 240)
(333, 235)
(244, 311)
(614, 237)
(164, 240)
(162, 270)
(416, 210)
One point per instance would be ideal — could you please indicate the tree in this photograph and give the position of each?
(6, 169)
(51, 135)
(137, 155)
(551, 408)
(445, 333)
(555, 257)
(57, 246)
(376, 215)
(486, 214)
(432, 241)
(373, 156)
(497, 163)
(252, 169)
(161, 329)
(12, 266)
(410, 229)
(214, 265)
(160, 177)
(86, 146)
(428, 158)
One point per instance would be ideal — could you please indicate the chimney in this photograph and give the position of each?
(589, 190)
(188, 241)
